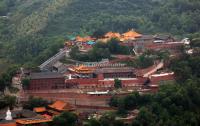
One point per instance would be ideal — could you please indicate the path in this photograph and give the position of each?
(54, 59)
(159, 66)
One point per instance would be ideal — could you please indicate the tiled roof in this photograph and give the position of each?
(84, 39)
(146, 37)
(8, 124)
(114, 70)
(53, 112)
(124, 38)
(39, 109)
(32, 121)
(162, 36)
(60, 105)
(132, 34)
(112, 35)
(44, 75)
(84, 69)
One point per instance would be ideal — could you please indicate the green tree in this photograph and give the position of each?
(182, 70)
(74, 52)
(6, 78)
(146, 118)
(109, 120)
(122, 111)
(65, 119)
(99, 33)
(118, 123)
(3, 7)
(35, 102)
(113, 101)
(10, 101)
(25, 83)
(144, 61)
(195, 42)
(2, 103)
(118, 84)
(131, 101)
(94, 122)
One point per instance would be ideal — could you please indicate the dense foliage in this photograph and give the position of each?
(35, 102)
(65, 119)
(7, 101)
(6, 78)
(118, 83)
(107, 119)
(148, 58)
(33, 30)
(174, 104)
(25, 83)
(100, 51)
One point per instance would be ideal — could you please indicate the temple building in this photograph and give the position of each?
(40, 116)
(124, 72)
(110, 35)
(83, 71)
(84, 39)
(23, 118)
(40, 110)
(130, 35)
(58, 107)
(46, 80)
(103, 78)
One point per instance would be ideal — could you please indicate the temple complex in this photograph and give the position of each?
(88, 86)
(40, 116)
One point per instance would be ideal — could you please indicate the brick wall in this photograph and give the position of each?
(82, 81)
(158, 79)
(165, 46)
(47, 83)
(141, 72)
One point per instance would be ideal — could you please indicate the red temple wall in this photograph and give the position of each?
(38, 84)
(156, 80)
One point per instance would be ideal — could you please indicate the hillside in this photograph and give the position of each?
(34, 30)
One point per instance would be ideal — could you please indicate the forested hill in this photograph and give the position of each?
(55, 17)
(34, 29)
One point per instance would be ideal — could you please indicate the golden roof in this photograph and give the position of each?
(132, 34)
(112, 35)
(122, 39)
(84, 69)
(84, 39)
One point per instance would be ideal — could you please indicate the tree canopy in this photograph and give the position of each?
(100, 51)
(34, 30)
(65, 119)
(174, 104)
(35, 102)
